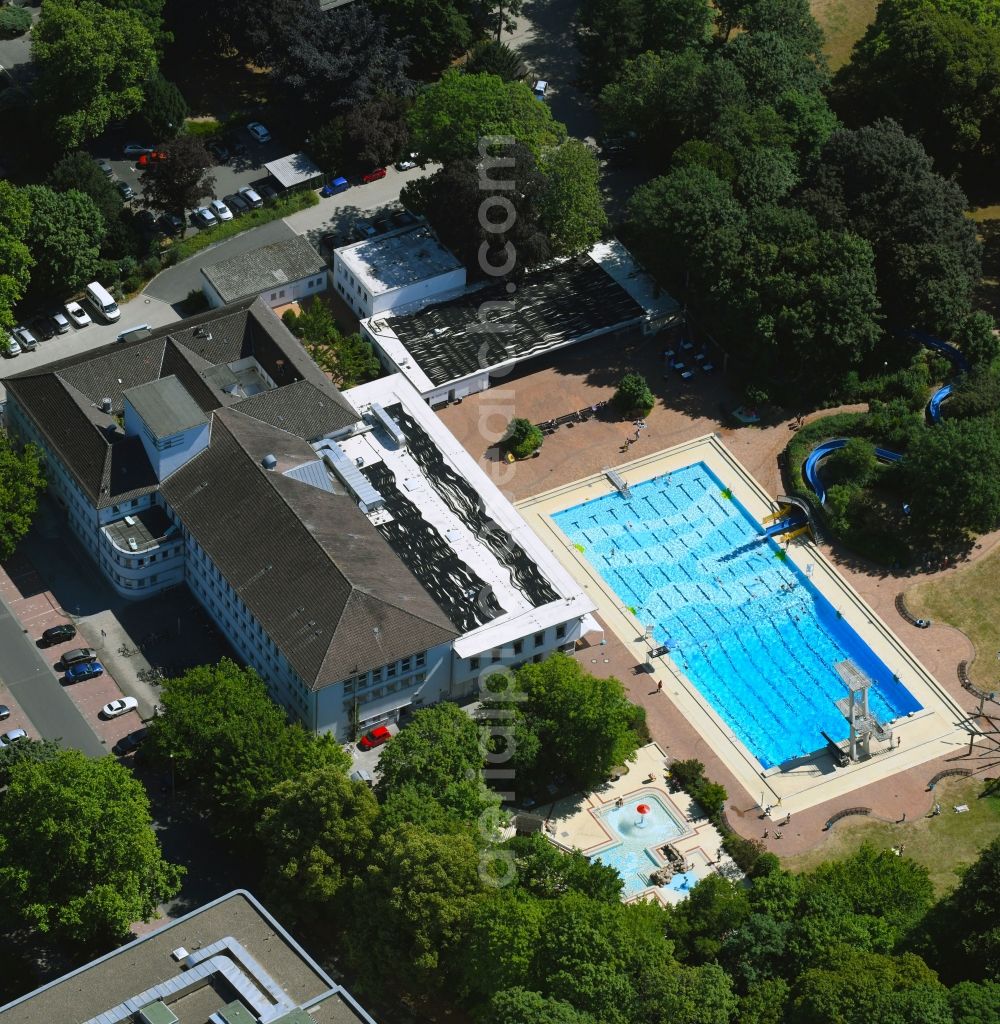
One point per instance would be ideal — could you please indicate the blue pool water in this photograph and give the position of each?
(748, 629)
(630, 857)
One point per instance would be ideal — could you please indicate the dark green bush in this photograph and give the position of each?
(633, 395)
(523, 437)
(14, 21)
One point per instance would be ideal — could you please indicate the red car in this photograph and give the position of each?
(375, 738)
(148, 159)
(371, 176)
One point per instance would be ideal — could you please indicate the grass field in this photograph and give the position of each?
(844, 23)
(968, 599)
(943, 844)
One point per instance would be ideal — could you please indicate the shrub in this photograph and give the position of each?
(747, 854)
(633, 395)
(855, 463)
(14, 21)
(523, 437)
(685, 774)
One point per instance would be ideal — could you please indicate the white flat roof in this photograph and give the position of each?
(619, 264)
(398, 259)
(521, 617)
(294, 169)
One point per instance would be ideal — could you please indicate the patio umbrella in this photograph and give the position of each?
(643, 808)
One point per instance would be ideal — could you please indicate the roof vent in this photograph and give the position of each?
(269, 462)
(106, 405)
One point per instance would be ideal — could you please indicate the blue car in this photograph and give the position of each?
(85, 670)
(335, 186)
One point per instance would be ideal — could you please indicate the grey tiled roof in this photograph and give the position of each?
(165, 406)
(64, 397)
(301, 408)
(264, 269)
(308, 564)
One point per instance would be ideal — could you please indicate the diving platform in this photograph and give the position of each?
(619, 484)
(854, 707)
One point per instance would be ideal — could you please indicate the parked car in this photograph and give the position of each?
(119, 707)
(335, 186)
(407, 163)
(362, 775)
(136, 149)
(540, 86)
(125, 190)
(58, 634)
(127, 744)
(170, 224)
(13, 349)
(220, 210)
(150, 159)
(236, 203)
(235, 145)
(268, 192)
(25, 339)
(42, 328)
(258, 132)
(14, 736)
(362, 229)
(59, 321)
(251, 196)
(379, 735)
(77, 314)
(79, 655)
(145, 221)
(85, 670)
(375, 175)
(403, 219)
(104, 166)
(218, 150)
(4, 712)
(204, 217)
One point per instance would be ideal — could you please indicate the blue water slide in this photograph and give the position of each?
(810, 470)
(948, 351)
(934, 405)
(790, 522)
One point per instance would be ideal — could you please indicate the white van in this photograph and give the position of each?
(101, 300)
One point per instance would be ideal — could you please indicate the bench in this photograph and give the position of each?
(847, 812)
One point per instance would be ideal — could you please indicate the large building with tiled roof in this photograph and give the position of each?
(345, 544)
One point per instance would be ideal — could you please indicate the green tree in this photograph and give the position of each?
(378, 130)
(934, 69)
(879, 184)
(490, 57)
(79, 171)
(633, 395)
(231, 744)
(582, 725)
(348, 358)
(329, 148)
(411, 912)
(764, 1003)
(976, 337)
(439, 30)
(451, 117)
(882, 988)
(699, 995)
(316, 831)
(439, 752)
(522, 437)
(548, 872)
(14, 21)
(571, 208)
(16, 260)
(973, 1003)
(519, 1006)
(855, 463)
(64, 236)
(92, 62)
(948, 490)
(700, 924)
(164, 108)
(78, 856)
(27, 750)
(180, 180)
(976, 394)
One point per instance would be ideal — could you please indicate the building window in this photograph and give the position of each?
(392, 670)
(421, 659)
(539, 639)
(560, 631)
(495, 654)
(349, 686)
(518, 646)
(537, 658)
(473, 663)
(404, 665)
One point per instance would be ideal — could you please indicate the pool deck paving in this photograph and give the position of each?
(587, 375)
(574, 822)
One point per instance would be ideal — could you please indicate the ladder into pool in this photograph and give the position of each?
(618, 482)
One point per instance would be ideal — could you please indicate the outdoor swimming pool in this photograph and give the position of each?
(630, 857)
(749, 630)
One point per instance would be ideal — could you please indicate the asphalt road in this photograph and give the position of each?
(174, 283)
(39, 692)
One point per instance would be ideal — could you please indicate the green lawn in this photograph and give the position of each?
(968, 599)
(944, 844)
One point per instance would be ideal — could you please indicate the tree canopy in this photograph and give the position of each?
(179, 181)
(21, 482)
(93, 61)
(78, 856)
(454, 116)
